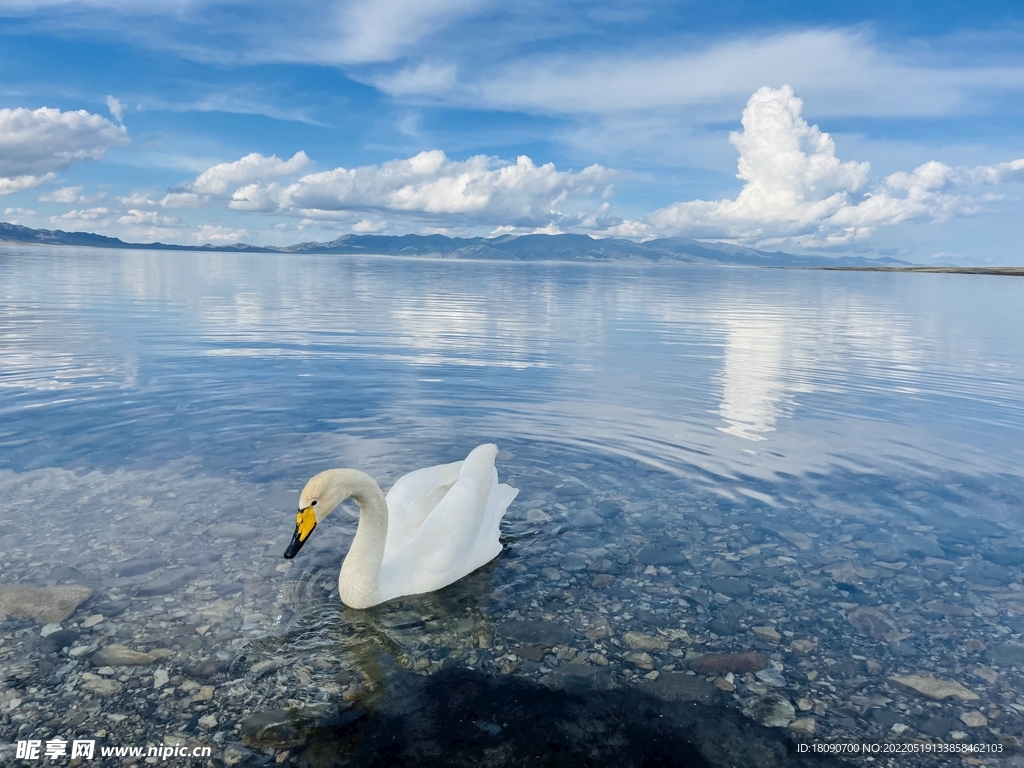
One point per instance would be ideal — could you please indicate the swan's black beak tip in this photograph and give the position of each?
(295, 545)
(305, 522)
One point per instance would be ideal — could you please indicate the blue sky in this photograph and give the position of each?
(881, 128)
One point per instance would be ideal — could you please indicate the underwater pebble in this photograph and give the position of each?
(934, 688)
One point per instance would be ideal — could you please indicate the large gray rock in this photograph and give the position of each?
(47, 605)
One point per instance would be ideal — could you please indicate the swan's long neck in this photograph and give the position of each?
(359, 582)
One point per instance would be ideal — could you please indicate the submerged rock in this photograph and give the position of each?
(638, 641)
(137, 567)
(286, 728)
(47, 605)
(720, 663)
(662, 552)
(871, 621)
(59, 640)
(768, 633)
(772, 711)
(731, 587)
(536, 632)
(771, 677)
(679, 686)
(117, 655)
(276, 728)
(580, 678)
(235, 754)
(934, 688)
(974, 719)
(102, 686)
(167, 582)
(1006, 654)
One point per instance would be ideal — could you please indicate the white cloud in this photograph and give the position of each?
(1001, 173)
(137, 198)
(210, 233)
(10, 185)
(86, 215)
(851, 75)
(18, 216)
(182, 200)
(434, 187)
(380, 30)
(368, 227)
(139, 218)
(314, 31)
(797, 191)
(218, 180)
(116, 109)
(34, 143)
(62, 195)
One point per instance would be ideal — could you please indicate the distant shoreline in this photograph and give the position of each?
(1011, 271)
(255, 250)
(548, 249)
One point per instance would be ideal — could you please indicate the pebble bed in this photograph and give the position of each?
(184, 625)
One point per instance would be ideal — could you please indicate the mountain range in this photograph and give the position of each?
(564, 247)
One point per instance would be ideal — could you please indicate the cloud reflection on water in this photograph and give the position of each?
(681, 367)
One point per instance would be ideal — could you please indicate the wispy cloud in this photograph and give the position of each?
(336, 32)
(248, 101)
(844, 72)
(116, 109)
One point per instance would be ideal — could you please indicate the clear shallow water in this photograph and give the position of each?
(700, 451)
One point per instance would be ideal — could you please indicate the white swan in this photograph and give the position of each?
(435, 526)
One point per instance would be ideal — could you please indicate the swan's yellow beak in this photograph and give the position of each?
(305, 522)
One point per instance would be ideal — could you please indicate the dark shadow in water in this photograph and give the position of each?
(463, 718)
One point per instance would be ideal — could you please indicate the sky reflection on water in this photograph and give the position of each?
(687, 368)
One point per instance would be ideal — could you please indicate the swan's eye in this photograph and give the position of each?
(312, 503)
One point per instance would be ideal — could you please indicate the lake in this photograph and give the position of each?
(792, 496)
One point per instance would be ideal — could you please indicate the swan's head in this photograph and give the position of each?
(318, 499)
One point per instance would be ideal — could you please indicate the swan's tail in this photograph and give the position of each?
(480, 462)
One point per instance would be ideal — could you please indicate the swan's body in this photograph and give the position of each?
(435, 526)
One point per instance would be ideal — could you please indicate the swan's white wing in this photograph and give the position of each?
(411, 499)
(458, 536)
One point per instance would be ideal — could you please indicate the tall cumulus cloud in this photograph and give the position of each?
(797, 191)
